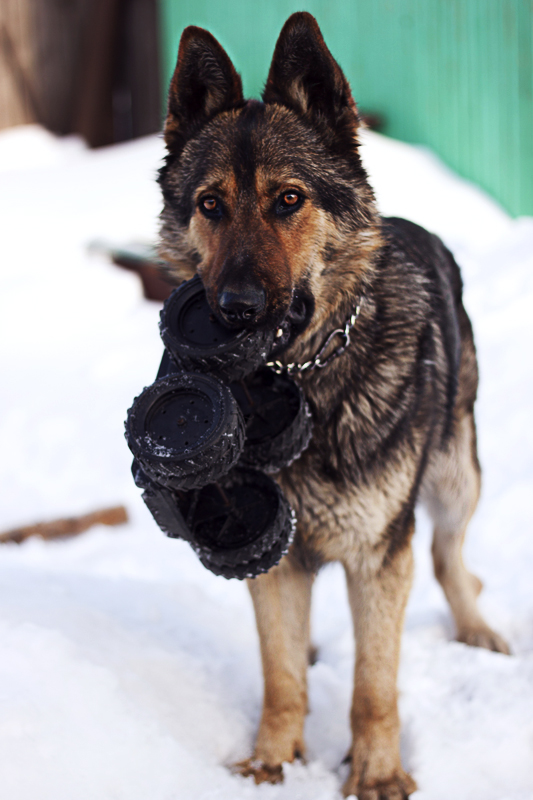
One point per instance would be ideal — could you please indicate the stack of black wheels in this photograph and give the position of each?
(204, 434)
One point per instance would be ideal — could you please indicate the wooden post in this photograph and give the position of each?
(39, 60)
(84, 66)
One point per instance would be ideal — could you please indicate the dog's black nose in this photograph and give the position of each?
(241, 306)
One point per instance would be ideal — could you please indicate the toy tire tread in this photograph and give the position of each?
(254, 567)
(209, 461)
(206, 467)
(228, 354)
(247, 355)
(282, 523)
(280, 451)
(162, 505)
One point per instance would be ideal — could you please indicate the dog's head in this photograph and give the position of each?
(263, 198)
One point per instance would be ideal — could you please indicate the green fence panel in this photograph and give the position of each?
(455, 75)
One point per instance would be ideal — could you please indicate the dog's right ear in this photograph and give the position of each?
(305, 77)
(204, 83)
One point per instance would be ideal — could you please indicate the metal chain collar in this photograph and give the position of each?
(316, 362)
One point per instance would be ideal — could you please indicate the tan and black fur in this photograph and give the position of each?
(270, 204)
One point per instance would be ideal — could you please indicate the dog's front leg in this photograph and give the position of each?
(378, 596)
(282, 601)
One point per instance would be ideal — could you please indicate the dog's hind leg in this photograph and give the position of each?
(378, 595)
(282, 600)
(450, 492)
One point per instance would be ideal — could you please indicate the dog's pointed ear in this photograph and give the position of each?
(305, 77)
(204, 83)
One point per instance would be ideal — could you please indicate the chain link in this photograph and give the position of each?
(316, 362)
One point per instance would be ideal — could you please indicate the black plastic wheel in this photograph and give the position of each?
(239, 529)
(252, 569)
(164, 504)
(240, 526)
(198, 342)
(185, 430)
(278, 421)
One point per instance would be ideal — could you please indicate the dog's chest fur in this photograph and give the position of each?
(380, 407)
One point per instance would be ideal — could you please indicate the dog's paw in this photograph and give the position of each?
(398, 788)
(260, 772)
(484, 637)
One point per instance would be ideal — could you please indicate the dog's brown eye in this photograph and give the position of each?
(290, 198)
(210, 207)
(288, 202)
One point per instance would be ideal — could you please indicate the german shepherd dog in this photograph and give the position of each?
(269, 202)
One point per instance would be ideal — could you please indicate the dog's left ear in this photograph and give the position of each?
(305, 77)
(204, 84)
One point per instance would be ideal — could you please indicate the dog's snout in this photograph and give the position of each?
(242, 306)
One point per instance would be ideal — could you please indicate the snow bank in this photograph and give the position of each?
(129, 671)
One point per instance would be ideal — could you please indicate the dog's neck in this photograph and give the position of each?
(338, 298)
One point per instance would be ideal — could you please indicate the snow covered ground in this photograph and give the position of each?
(127, 671)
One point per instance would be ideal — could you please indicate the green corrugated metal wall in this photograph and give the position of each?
(456, 75)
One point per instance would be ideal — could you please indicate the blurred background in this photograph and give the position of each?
(455, 75)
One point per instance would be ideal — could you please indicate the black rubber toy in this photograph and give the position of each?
(253, 568)
(163, 504)
(202, 443)
(185, 430)
(239, 527)
(240, 519)
(277, 417)
(198, 342)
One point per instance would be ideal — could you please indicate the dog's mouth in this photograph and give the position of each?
(287, 327)
(295, 322)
